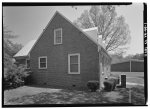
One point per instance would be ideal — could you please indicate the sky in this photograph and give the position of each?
(29, 22)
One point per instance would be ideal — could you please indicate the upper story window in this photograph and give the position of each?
(43, 62)
(27, 63)
(58, 36)
(74, 63)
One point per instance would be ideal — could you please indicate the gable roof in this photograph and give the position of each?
(26, 49)
(91, 33)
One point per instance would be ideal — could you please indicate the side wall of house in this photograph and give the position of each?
(73, 41)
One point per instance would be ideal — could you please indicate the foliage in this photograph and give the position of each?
(114, 30)
(116, 77)
(110, 84)
(118, 58)
(9, 48)
(93, 85)
(136, 56)
(14, 76)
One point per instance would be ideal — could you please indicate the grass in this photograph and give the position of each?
(24, 95)
(133, 77)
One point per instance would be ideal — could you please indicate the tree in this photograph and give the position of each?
(14, 75)
(9, 48)
(115, 32)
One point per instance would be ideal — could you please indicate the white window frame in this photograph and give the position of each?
(26, 63)
(75, 54)
(39, 62)
(55, 30)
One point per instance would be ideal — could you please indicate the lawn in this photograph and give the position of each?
(35, 95)
(133, 77)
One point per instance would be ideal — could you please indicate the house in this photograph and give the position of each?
(65, 56)
(132, 65)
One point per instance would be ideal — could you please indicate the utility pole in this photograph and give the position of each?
(130, 66)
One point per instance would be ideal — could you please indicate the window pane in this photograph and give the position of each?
(42, 59)
(58, 39)
(42, 65)
(58, 33)
(74, 68)
(74, 59)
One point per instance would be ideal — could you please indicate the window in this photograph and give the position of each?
(27, 63)
(74, 63)
(58, 36)
(43, 62)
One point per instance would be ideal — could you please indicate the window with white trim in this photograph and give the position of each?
(74, 63)
(58, 36)
(43, 62)
(27, 63)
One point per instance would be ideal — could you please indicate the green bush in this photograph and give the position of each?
(14, 76)
(93, 85)
(110, 84)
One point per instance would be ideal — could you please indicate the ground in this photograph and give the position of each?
(135, 78)
(38, 95)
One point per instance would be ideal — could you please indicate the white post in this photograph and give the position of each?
(129, 95)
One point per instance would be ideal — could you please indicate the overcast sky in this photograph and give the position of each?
(29, 22)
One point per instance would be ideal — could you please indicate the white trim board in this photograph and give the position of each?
(39, 62)
(74, 54)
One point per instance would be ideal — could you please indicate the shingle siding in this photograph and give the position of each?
(73, 41)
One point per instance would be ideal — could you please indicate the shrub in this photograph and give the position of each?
(110, 84)
(93, 85)
(115, 76)
(14, 76)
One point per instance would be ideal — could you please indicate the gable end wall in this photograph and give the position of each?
(74, 41)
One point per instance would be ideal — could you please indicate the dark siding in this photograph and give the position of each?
(125, 67)
(137, 66)
(74, 41)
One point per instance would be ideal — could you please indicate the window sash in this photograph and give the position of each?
(74, 66)
(43, 62)
(58, 36)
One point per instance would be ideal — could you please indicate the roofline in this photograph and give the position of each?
(79, 29)
(73, 25)
(90, 29)
(42, 32)
(20, 57)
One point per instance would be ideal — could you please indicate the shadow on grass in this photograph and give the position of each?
(63, 97)
(80, 97)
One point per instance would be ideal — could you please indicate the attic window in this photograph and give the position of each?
(58, 36)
